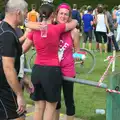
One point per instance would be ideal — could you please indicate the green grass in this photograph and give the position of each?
(87, 98)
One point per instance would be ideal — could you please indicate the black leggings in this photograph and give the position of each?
(96, 36)
(100, 35)
(68, 97)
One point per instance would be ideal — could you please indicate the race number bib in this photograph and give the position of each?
(60, 54)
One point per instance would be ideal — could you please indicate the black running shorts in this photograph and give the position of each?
(8, 103)
(47, 83)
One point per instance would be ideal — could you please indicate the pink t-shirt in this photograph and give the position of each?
(47, 48)
(67, 62)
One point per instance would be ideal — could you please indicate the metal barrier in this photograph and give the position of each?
(76, 80)
(112, 98)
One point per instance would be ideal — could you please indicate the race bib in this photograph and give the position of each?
(60, 54)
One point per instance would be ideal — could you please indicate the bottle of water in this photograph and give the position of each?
(100, 111)
(44, 28)
(78, 55)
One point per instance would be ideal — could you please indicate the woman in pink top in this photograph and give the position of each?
(69, 41)
(46, 74)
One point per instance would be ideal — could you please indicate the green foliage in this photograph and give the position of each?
(57, 2)
(80, 3)
(87, 98)
(1, 5)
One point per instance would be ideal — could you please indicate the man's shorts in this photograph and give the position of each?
(8, 103)
(88, 35)
(47, 82)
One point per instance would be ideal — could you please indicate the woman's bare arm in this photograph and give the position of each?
(76, 39)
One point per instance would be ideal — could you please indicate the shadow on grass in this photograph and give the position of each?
(98, 117)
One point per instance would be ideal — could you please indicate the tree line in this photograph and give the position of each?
(110, 3)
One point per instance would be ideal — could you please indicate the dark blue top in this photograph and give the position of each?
(76, 15)
(87, 18)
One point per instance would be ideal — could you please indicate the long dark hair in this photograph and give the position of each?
(100, 9)
(45, 11)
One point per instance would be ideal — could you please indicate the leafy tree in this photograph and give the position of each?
(80, 3)
(2, 4)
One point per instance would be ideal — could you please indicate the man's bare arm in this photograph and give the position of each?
(11, 75)
(22, 39)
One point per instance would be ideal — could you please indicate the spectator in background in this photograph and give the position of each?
(112, 28)
(23, 77)
(76, 15)
(88, 21)
(33, 15)
(118, 24)
(85, 9)
(101, 27)
(22, 38)
(114, 17)
(94, 28)
(81, 12)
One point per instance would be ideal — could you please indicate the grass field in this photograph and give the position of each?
(87, 98)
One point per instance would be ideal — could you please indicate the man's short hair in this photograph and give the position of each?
(13, 5)
(33, 6)
(100, 9)
(74, 6)
(90, 9)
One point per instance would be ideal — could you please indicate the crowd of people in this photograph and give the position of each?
(55, 35)
(101, 25)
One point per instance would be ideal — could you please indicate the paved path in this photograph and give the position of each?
(30, 110)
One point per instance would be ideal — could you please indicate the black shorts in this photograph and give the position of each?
(96, 36)
(8, 103)
(88, 35)
(102, 35)
(47, 82)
